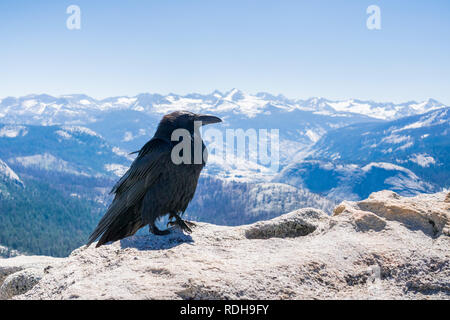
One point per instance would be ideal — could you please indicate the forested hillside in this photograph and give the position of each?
(40, 219)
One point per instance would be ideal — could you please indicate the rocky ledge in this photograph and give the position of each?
(384, 247)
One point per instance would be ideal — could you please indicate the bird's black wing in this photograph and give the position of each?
(130, 189)
(144, 164)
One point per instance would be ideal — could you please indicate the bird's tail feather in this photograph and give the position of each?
(116, 224)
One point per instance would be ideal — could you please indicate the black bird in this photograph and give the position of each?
(154, 185)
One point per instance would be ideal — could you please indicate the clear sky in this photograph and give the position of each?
(298, 48)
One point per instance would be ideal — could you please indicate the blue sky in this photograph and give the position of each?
(297, 48)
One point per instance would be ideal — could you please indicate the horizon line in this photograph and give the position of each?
(223, 93)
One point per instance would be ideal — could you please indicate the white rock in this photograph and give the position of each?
(380, 248)
(20, 282)
(14, 266)
(429, 213)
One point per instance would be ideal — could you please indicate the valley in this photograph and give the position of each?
(60, 156)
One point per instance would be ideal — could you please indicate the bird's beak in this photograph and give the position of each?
(207, 119)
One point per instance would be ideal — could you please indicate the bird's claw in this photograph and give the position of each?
(182, 224)
(190, 223)
(171, 224)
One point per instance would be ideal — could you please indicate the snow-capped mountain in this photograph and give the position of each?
(74, 159)
(408, 155)
(66, 149)
(45, 109)
(7, 173)
(128, 122)
(410, 139)
(8, 177)
(68, 172)
(350, 181)
(54, 185)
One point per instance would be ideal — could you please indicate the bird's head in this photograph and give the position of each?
(184, 120)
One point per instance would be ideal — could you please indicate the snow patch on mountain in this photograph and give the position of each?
(425, 106)
(63, 134)
(427, 120)
(128, 136)
(81, 130)
(12, 131)
(126, 100)
(406, 146)
(395, 139)
(352, 181)
(237, 169)
(363, 108)
(387, 166)
(122, 153)
(29, 103)
(47, 162)
(8, 173)
(85, 102)
(64, 109)
(422, 159)
(118, 169)
(313, 136)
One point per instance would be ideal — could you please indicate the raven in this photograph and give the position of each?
(155, 185)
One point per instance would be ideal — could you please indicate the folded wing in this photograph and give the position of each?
(122, 218)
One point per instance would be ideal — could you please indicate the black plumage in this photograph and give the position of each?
(154, 185)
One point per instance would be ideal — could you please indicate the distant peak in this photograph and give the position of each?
(234, 94)
(7, 172)
(432, 101)
(217, 92)
(233, 91)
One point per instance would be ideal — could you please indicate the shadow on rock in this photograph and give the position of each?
(152, 242)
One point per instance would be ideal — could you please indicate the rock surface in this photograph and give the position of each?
(8, 253)
(20, 274)
(383, 247)
(429, 213)
(20, 282)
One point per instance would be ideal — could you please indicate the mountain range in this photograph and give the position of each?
(47, 109)
(128, 122)
(59, 157)
(408, 155)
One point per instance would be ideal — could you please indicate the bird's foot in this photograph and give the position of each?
(190, 223)
(157, 232)
(182, 224)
